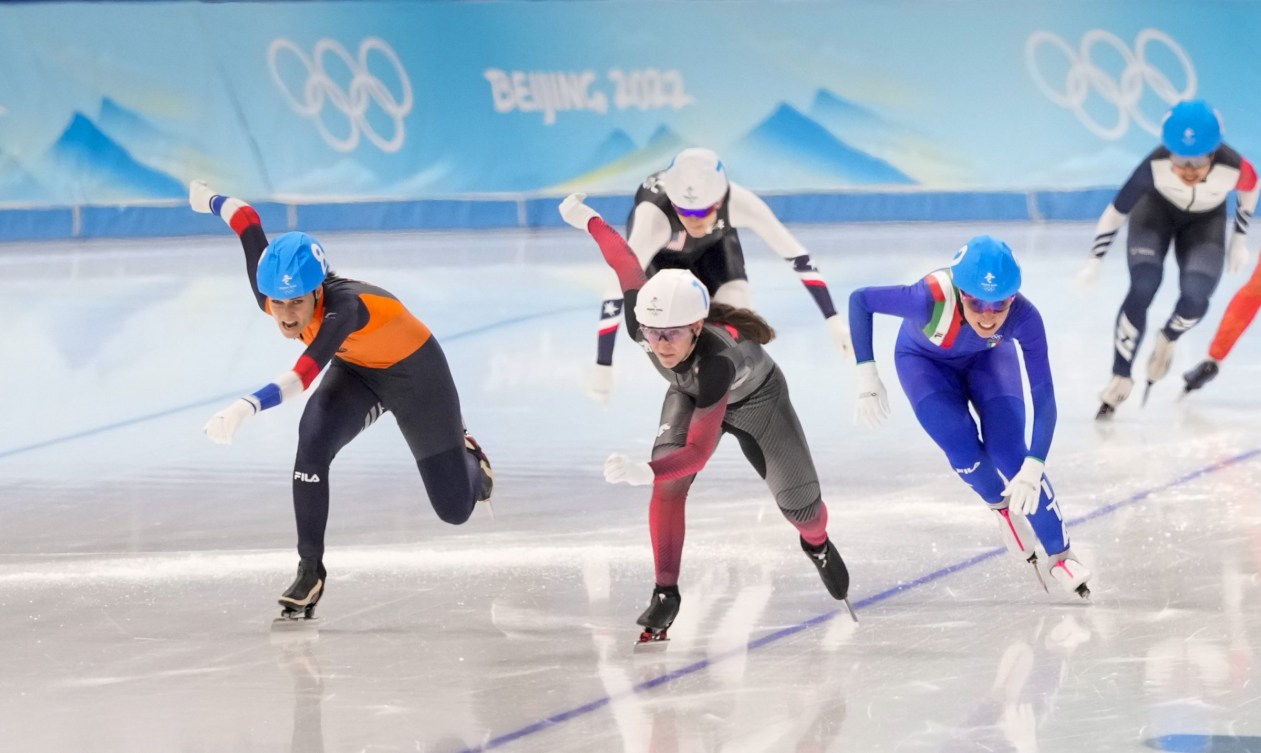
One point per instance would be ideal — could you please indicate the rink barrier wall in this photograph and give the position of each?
(509, 212)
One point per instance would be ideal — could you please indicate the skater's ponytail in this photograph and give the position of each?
(747, 323)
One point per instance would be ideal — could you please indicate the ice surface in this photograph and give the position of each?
(139, 564)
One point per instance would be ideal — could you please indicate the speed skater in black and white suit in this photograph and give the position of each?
(687, 217)
(1177, 195)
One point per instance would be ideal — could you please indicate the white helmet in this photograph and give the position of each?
(672, 298)
(695, 179)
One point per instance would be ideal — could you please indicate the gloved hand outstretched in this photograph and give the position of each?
(600, 383)
(619, 468)
(839, 331)
(1025, 488)
(1089, 272)
(872, 405)
(1237, 254)
(199, 196)
(575, 212)
(223, 425)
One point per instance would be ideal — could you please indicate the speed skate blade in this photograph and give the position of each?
(651, 643)
(295, 625)
(652, 647)
(1146, 393)
(852, 614)
(1037, 572)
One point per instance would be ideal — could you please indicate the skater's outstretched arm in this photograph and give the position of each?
(243, 220)
(335, 317)
(903, 301)
(747, 209)
(617, 252)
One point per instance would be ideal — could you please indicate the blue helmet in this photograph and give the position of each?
(986, 269)
(292, 266)
(1191, 129)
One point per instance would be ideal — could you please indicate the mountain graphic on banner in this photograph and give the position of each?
(831, 109)
(16, 184)
(86, 164)
(623, 172)
(885, 138)
(801, 153)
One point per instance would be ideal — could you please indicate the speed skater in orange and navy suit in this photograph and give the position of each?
(721, 381)
(379, 357)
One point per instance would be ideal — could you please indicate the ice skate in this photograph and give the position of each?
(298, 602)
(1113, 395)
(1202, 374)
(832, 570)
(487, 485)
(1159, 363)
(1018, 537)
(658, 618)
(1070, 573)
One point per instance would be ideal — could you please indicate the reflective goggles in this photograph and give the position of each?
(695, 213)
(665, 334)
(1196, 163)
(977, 306)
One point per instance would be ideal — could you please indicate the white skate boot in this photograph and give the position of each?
(1159, 363)
(1070, 573)
(1114, 394)
(1017, 535)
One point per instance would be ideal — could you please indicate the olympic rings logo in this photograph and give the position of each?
(1084, 75)
(364, 89)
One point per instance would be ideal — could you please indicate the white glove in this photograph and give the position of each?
(600, 383)
(576, 213)
(1025, 488)
(1089, 272)
(199, 196)
(1237, 256)
(223, 425)
(839, 331)
(618, 467)
(872, 407)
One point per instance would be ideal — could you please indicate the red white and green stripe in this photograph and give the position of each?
(943, 325)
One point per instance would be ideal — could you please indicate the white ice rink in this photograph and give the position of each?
(139, 563)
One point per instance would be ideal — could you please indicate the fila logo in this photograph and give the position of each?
(313, 478)
(966, 471)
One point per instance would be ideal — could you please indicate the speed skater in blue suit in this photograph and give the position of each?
(955, 351)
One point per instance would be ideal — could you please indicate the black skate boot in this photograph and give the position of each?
(1201, 375)
(298, 602)
(832, 570)
(659, 616)
(487, 484)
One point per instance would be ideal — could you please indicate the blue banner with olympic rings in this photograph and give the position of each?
(106, 104)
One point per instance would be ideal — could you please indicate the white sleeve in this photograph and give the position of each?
(1106, 229)
(650, 232)
(746, 209)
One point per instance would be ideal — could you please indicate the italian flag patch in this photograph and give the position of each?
(943, 325)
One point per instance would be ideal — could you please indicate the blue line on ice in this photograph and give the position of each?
(647, 685)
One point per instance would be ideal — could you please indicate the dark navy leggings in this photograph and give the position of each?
(421, 394)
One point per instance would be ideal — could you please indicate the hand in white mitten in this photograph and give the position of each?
(619, 468)
(872, 405)
(1237, 256)
(839, 331)
(1025, 488)
(600, 383)
(222, 426)
(575, 212)
(1089, 272)
(199, 196)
